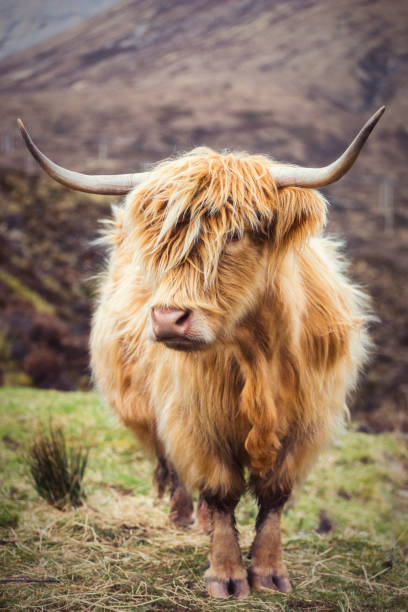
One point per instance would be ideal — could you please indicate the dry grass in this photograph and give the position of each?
(118, 551)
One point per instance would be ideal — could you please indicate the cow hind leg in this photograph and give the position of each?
(181, 504)
(202, 518)
(267, 570)
(226, 575)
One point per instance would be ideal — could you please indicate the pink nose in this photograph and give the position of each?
(171, 322)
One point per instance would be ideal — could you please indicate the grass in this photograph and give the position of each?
(118, 551)
(57, 470)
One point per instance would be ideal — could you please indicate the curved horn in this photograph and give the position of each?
(297, 176)
(104, 184)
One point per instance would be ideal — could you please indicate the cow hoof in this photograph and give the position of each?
(223, 589)
(180, 519)
(269, 582)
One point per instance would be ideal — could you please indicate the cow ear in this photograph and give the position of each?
(301, 213)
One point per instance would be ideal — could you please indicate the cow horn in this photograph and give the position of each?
(297, 176)
(104, 184)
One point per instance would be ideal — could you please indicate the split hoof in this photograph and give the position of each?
(238, 588)
(269, 582)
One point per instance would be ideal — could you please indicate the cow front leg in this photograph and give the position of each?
(226, 575)
(181, 503)
(267, 570)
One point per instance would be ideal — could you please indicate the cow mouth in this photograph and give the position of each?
(182, 344)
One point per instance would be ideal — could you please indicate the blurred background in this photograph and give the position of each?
(109, 86)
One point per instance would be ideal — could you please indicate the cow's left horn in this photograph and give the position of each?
(104, 184)
(296, 176)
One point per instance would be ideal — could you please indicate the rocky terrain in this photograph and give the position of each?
(145, 79)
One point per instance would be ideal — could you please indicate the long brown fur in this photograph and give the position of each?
(282, 328)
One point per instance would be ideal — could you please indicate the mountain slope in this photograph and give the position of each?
(294, 79)
(23, 23)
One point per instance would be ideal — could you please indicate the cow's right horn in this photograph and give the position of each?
(104, 184)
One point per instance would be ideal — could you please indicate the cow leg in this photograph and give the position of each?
(181, 503)
(202, 516)
(226, 575)
(267, 570)
(161, 476)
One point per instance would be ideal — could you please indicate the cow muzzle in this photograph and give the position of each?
(172, 327)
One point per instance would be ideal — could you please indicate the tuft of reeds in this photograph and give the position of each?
(57, 470)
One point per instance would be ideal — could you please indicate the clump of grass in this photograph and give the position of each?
(57, 470)
(8, 518)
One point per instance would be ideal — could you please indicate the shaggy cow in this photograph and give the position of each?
(227, 336)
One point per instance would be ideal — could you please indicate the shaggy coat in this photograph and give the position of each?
(280, 331)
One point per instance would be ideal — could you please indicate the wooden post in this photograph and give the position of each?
(102, 147)
(7, 142)
(387, 205)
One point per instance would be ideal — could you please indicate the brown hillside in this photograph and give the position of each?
(292, 78)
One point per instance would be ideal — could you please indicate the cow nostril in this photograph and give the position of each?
(171, 322)
(183, 317)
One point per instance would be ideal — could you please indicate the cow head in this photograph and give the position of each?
(204, 230)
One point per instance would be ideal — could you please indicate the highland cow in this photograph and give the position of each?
(227, 336)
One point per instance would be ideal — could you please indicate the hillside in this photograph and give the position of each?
(143, 80)
(47, 265)
(294, 79)
(23, 23)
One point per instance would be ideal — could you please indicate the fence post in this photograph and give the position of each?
(387, 204)
(7, 142)
(102, 147)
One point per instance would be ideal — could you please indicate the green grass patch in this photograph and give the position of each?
(118, 551)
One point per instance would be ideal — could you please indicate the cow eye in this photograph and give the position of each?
(233, 237)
